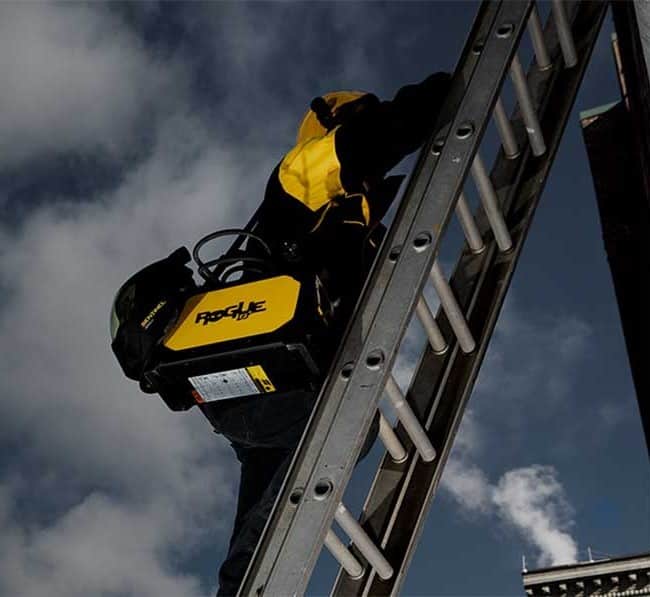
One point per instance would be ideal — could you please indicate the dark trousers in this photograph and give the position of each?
(264, 432)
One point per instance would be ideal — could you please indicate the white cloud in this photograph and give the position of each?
(106, 491)
(611, 414)
(533, 500)
(528, 370)
(127, 481)
(62, 270)
(468, 485)
(99, 547)
(462, 478)
(529, 499)
(75, 78)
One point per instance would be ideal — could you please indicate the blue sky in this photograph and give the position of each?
(127, 130)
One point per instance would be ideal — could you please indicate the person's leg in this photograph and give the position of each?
(254, 479)
(264, 433)
(263, 472)
(267, 434)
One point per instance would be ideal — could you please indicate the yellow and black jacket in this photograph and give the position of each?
(324, 201)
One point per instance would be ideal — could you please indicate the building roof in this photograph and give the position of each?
(623, 576)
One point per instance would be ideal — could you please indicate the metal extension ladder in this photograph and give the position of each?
(384, 539)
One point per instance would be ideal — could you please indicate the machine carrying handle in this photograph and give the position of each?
(230, 258)
(225, 262)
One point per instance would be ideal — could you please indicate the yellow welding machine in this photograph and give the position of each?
(248, 339)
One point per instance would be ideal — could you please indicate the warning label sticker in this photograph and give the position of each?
(231, 384)
(259, 375)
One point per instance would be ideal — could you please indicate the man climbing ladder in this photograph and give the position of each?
(320, 224)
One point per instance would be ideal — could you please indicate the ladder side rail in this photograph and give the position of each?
(327, 405)
(378, 277)
(488, 301)
(393, 480)
(325, 463)
(467, 62)
(387, 491)
(480, 283)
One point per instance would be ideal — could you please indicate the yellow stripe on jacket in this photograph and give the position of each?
(311, 172)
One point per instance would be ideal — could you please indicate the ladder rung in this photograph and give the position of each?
(510, 147)
(390, 440)
(490, 203)
(527, 108)
(396, 507)
(564, 34)
(468, 224)
(537, 38)
(343, 556)
(363, 542)
(407, 417)
(428, 321)
(452, 310)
